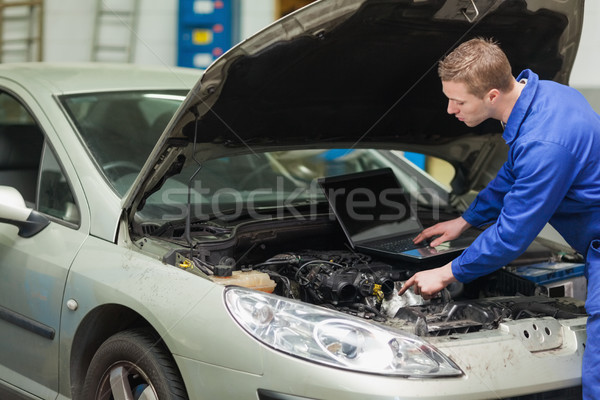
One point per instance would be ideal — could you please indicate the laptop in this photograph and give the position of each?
(379, 219)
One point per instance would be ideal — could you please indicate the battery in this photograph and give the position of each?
(556, 279)
(548, 272)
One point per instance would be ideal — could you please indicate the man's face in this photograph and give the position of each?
(465, 106)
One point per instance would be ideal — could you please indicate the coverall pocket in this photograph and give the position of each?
(592, 269)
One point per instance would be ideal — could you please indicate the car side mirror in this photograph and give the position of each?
(14, 211)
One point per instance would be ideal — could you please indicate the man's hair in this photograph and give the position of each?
(480, 64)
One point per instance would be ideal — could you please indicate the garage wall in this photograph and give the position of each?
(585, 76)
(585, 71)
(69, 27)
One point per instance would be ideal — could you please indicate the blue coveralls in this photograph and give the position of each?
(552, 175)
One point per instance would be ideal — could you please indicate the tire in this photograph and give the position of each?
(140, 366)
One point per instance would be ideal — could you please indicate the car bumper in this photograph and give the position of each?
(574, 393)
(496, 364)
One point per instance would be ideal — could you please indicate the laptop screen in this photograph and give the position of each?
(370, 205)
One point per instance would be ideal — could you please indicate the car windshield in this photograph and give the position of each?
(276, 183)
(120, 129)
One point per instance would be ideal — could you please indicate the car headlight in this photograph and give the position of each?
(334, 339)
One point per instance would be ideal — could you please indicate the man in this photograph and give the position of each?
(552, 175)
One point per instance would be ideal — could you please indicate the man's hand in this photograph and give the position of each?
(428, 283)
(445, 231)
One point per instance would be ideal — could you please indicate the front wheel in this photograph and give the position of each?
(133, 365)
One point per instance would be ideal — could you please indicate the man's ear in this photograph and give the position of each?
(492, 96)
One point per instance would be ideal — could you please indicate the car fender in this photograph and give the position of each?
(186, 310)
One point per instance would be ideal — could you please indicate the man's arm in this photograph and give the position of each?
(485, 209)
(544, 173)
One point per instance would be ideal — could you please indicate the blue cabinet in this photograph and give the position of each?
(206, 30)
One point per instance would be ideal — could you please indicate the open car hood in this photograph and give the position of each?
(361, 73)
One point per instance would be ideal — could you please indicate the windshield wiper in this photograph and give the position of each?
(298, 209)
(202, 228)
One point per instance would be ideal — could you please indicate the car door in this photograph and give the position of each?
(33, 270)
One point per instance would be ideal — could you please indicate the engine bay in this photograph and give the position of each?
(270, 256)
(355, 284)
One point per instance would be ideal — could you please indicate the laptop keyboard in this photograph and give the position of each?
(396, 245)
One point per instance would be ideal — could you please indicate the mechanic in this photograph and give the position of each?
(552, 175)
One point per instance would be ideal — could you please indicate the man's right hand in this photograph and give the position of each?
(429, 282)
(447, 230)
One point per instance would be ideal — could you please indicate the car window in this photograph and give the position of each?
(12, 112)
(120, 129)
(55, 195)
(40, 180)
(442, 170)
(21, 143)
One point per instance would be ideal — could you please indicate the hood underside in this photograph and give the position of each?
(372, 75)
(357, 73)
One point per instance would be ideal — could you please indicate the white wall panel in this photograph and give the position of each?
(69, 31)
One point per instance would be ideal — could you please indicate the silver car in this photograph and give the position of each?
(163, 234)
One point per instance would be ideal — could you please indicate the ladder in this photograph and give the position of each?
(21, 30)
(115, 30)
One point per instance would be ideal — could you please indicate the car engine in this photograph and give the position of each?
(309, 261)
(358, 285)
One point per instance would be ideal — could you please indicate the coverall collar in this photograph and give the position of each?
(519, 111)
